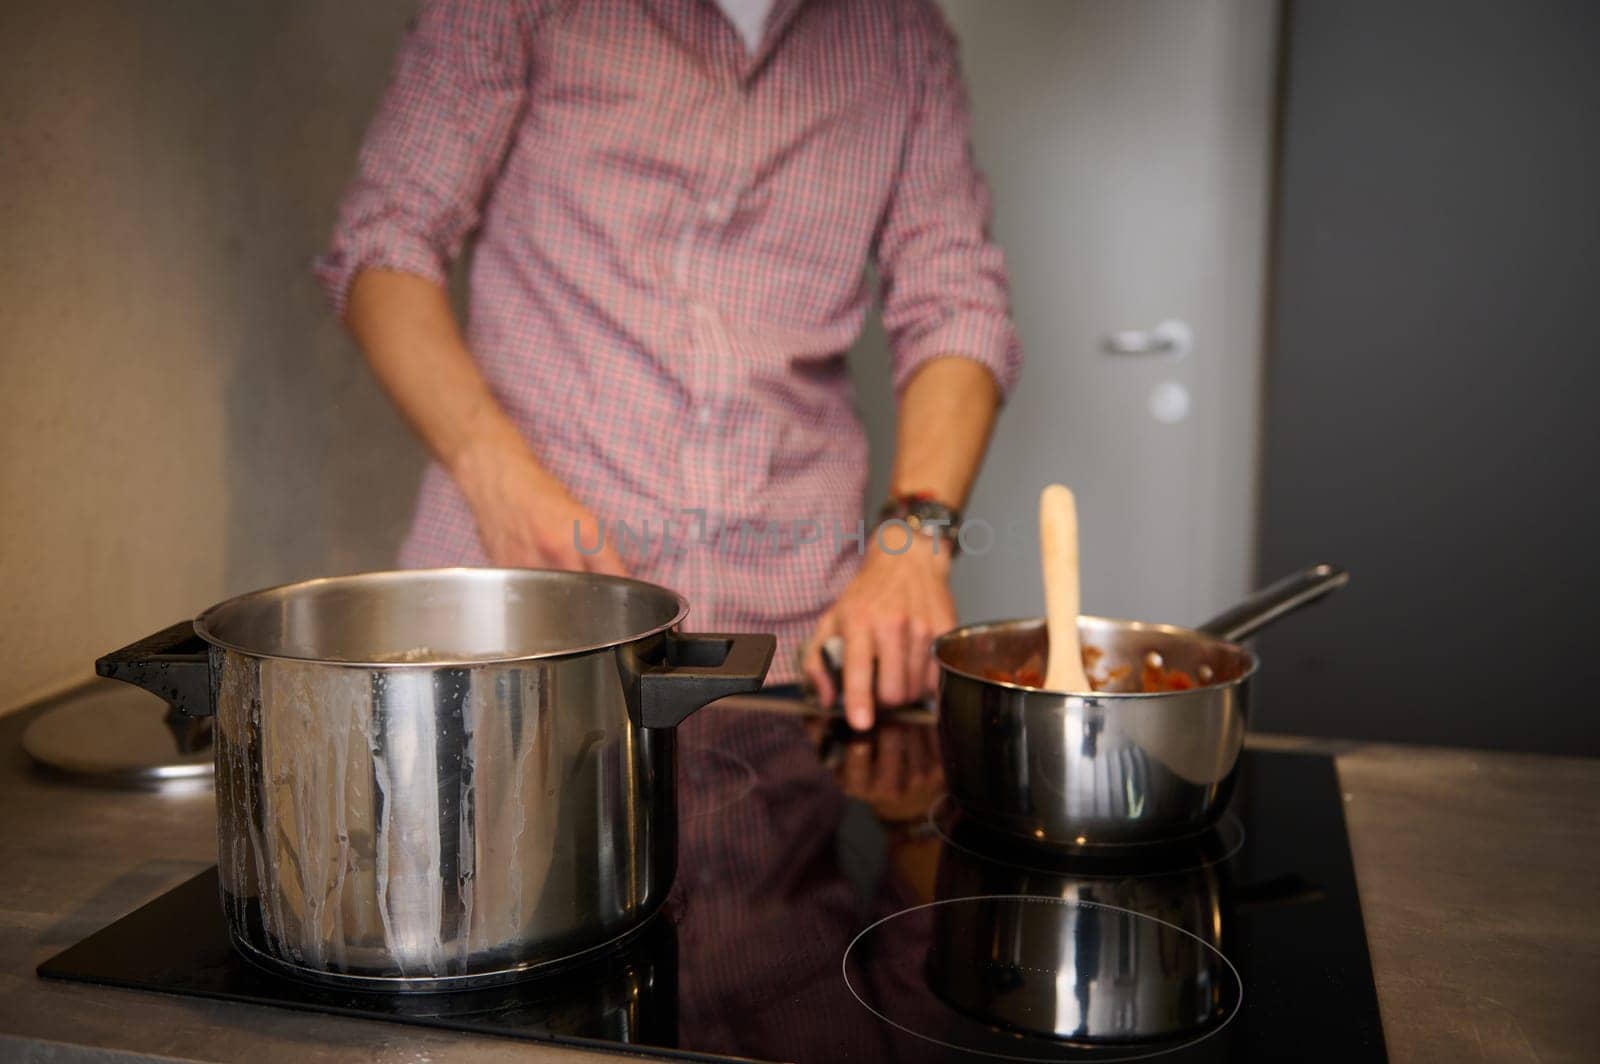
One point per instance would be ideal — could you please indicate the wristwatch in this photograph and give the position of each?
(923, 513)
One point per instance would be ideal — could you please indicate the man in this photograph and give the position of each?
(674, 224)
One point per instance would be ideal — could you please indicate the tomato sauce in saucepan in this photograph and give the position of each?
(1153, 675)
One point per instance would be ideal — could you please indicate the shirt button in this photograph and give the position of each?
(703, 415)
(719, 210)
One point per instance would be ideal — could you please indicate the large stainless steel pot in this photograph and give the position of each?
(1114, 766)
(441, 778)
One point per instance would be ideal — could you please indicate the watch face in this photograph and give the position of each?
(923, 515)
(934, 519)
(934, 512)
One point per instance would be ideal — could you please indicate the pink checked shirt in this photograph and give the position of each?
(672, 241)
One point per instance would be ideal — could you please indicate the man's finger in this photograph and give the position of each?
(858, 676)
(588, 556)
(890, 644)
(815, 665)
(606, 561)
(943, 621)
(918, 653)
(575, 561)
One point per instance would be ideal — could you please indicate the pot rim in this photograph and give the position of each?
(967, 631)
(204, 620)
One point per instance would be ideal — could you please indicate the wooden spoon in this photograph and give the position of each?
(1058, 538)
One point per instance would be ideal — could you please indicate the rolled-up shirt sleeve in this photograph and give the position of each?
(945, 289)
(439, 137)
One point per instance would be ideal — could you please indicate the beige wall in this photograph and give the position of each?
(180, 419)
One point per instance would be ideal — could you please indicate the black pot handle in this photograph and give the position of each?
(1241, 621)
(702, 668)
(175, 663)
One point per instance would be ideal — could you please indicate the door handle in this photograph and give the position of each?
(1171, 338)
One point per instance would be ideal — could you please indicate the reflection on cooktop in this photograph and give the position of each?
(710, 780)
(1209, 847)
(822, 913)
(1030, 977)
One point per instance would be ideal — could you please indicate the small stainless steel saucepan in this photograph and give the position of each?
(1114, 766)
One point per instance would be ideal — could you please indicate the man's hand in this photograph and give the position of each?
(887, 616)
(408, 330)
(891, 611)
(526, 516)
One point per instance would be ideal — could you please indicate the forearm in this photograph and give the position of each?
(888, 615)
(408, 331)
(947, 412)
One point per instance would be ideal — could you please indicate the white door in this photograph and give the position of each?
(1128, 146)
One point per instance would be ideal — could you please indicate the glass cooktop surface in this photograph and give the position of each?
(832, 905)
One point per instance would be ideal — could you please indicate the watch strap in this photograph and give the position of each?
(925, 514)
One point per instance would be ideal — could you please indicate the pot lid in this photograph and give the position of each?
(111, 734)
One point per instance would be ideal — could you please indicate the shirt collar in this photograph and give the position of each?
(700, 27)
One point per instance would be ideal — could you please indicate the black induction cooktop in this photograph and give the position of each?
(832, 906)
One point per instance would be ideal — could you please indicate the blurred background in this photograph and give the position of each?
(1361, 239)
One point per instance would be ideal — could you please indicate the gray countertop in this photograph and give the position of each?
(1479, 876)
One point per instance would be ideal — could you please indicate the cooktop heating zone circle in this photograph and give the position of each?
(1035, 978)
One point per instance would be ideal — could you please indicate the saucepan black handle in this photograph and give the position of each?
(1244, 620)
(175, 663)
(702, 668)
